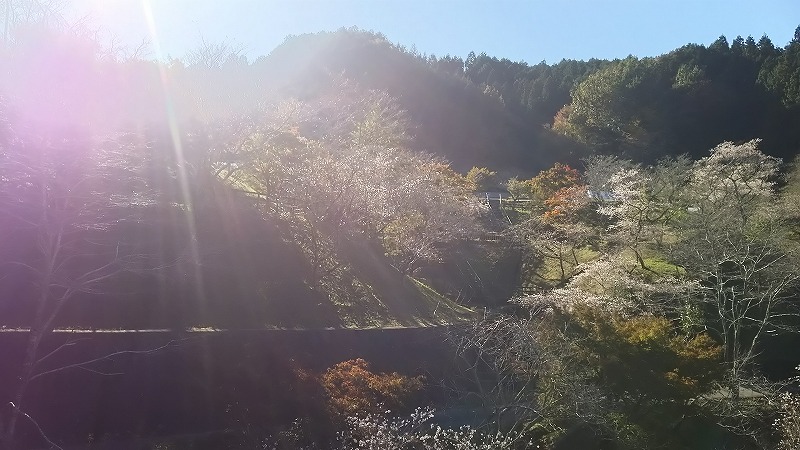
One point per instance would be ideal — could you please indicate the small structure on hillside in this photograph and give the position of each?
(494, 198)
(601, 196)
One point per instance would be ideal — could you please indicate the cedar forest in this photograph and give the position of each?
(349, 244)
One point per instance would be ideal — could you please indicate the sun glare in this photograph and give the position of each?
(177, 147)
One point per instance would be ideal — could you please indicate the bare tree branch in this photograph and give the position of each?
(36, 424)
(83, 364)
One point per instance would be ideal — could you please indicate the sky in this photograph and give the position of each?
(530, 31)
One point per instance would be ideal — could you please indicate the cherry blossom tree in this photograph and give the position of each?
(337, 170)
(735, 244)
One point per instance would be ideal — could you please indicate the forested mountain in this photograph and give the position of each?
(682, 102)
(452, 115)
(496, 112)
(478, 111)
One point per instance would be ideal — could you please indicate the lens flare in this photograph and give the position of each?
(177, 148)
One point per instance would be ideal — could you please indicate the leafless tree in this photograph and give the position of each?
(556, 242)
(20, 13)
(735, 244)
(212, 55)
(62, 199)
(523, 370)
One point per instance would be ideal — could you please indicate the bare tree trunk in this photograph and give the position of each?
(37, 332)
(31, 352)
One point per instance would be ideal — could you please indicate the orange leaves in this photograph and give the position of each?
(565, 201)
(352, 389)
(559, 189)
(554, 179)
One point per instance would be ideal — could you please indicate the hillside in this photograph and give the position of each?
(309, 231)
(451, 115)
(481, 110)
(520, 118)
(301, 130)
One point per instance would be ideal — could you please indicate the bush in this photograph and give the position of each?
(353, 390)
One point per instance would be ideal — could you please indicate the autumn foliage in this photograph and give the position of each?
(643, 357)
(352, 389)
(548, 182)
(565, 202)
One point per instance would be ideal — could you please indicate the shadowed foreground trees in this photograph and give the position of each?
(65, 201)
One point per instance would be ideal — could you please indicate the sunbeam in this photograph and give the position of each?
(177, 148)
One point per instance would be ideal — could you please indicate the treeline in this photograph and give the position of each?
(477, 111)
(684, 101)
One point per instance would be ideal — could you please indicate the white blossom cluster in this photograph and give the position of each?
(607, 284)
(735, 170)
(788, 424)
(380, 432)
(788, 421)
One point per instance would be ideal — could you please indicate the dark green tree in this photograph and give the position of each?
(720, 45)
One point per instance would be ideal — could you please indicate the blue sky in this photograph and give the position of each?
(530, 30)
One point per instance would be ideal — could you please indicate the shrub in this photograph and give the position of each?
(353, 390)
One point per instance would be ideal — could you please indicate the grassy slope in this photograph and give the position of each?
(250, 276)
(391, 298)
(371, 294)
